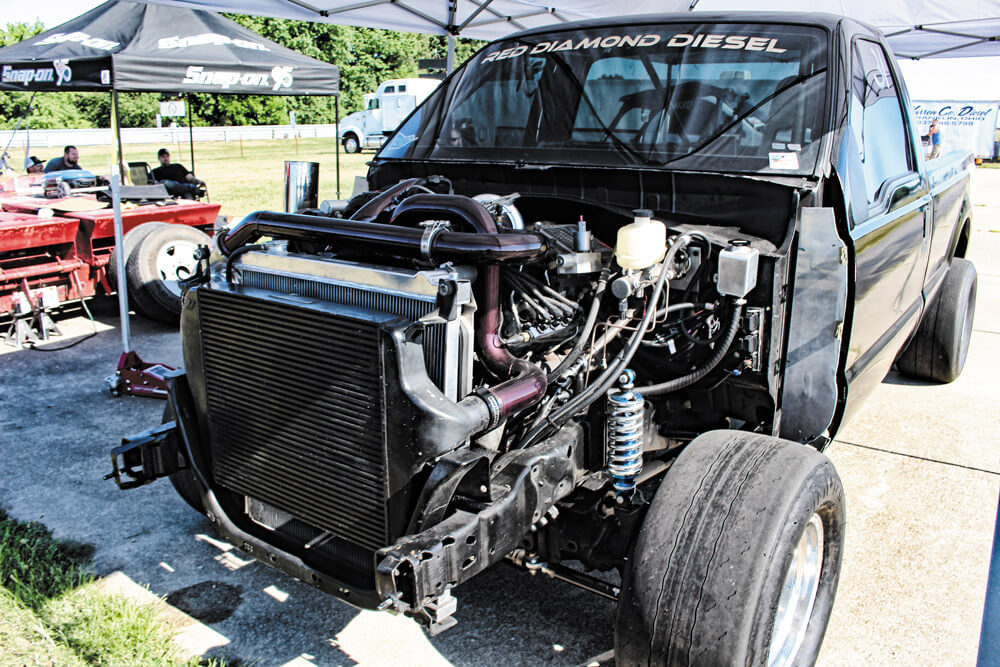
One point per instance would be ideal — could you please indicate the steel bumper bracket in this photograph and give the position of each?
(146, 456)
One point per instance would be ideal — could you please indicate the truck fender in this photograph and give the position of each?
(817, 315)
(959, 245)
(352, 129)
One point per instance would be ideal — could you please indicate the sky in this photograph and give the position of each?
(936, 79)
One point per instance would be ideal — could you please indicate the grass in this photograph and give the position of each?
(51, 611)
(247, 176)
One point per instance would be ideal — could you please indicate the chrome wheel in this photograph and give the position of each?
(176, 261)
(798, 595)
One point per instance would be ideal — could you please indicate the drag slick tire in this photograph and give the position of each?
(351, 144)
(159, 260)
(939, 348)
(738, 557)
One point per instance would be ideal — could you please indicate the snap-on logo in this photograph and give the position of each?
(63, 73)
(27, 76)
(196, 75)
(79, 37)
(208, 39)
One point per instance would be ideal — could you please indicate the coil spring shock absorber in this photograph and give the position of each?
(626, 418)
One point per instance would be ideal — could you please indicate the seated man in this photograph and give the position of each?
(33, 165)
(179, 181)
(70, 160)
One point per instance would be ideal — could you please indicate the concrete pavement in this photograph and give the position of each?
(921, 464)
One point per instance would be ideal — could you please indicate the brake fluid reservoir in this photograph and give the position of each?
(641, 243)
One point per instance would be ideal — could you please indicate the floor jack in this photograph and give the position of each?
(132, 376)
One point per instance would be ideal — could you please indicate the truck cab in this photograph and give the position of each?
(382, 112)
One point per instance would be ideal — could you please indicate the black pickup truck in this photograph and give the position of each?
(614, 287)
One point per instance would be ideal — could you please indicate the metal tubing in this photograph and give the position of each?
(527, 382)
(384, 239)
(116, 205)
(59, 266)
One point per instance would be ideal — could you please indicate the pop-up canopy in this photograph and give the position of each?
(131, 46)
(915, 28)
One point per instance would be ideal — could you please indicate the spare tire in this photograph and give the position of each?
(131, 240)
(159, 261)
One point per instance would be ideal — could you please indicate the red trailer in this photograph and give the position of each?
(48, 261)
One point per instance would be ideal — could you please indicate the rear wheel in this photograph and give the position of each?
(156, 266)
(351, 144)
(738, 558)
(939, 348)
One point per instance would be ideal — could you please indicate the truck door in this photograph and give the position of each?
(890, 214)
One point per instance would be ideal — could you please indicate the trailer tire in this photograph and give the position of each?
(129, 242)
(185, 482)
(708, 579)
(940, 346)
(160, 259)
(352, 144)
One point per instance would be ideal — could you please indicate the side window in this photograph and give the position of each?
(390, 89)
(877, 119)
(402, 88)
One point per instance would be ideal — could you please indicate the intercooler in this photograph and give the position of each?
(299, 415)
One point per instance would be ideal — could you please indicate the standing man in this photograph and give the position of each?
(935, 135)
(176, 177)
(69, 160)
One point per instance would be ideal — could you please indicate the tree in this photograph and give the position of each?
(365, 56)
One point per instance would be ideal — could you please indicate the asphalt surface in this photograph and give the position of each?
(921, 465)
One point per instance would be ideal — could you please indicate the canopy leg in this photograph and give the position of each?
(190, 132)
(336, 136)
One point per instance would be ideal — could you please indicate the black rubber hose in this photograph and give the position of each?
(588, 326)
(694, 376)
(235, 254)
(604, 382)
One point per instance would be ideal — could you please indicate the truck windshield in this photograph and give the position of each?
(723, 97)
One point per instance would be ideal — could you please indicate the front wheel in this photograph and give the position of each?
(738, 558)
(351, 144)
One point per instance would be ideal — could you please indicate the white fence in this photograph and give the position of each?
(164, 135)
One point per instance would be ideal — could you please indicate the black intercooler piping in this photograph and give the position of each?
(524, 383)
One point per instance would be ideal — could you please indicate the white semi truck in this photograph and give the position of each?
(383, 111)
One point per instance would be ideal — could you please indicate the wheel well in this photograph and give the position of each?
(962, 244)
(350, 134)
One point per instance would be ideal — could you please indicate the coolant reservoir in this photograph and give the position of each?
(641, 243)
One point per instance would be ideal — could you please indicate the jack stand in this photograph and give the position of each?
(33, 325)
(138, 378)
(34, 328)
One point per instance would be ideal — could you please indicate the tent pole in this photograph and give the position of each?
(190, 132)
(336, 136)
(122, 287)
(116, 121)
(450, 59)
